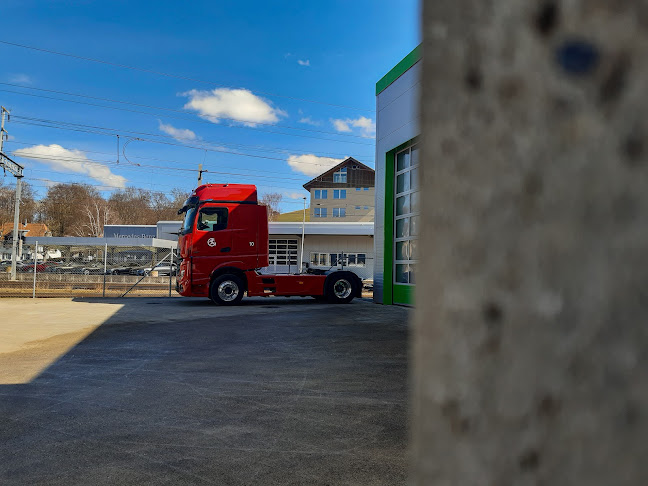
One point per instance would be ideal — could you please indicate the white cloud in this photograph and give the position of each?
(240, 105)
(312, 165)
(181, 134)
(294, 195)
(341, 126)
(309, 121)
(366, 125)
(303, 63)
(65, 160)
(19, 78)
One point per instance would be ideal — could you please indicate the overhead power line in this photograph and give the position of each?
(139, 167)
(62, 125)
(186, 118)
(113, 163)
(246, 127)
(259, 148)
(196, 142)
(170, 75)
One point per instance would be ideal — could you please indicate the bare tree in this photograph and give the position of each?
(28, 205)
(165, 207)
(132, 206)
(97, 215)
(64, 207)
(271, 200)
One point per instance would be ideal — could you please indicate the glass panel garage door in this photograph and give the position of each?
(406, 215)
(283, 252)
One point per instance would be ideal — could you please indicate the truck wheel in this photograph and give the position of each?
(341, 289)
(226, 290)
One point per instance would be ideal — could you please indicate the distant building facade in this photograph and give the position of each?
(38, 230)
(344, 193)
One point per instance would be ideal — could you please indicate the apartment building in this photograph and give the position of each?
(344, 193)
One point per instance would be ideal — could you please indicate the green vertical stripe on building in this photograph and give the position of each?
(390, 293)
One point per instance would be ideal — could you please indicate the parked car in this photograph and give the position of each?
(139, 270)
(72, 268)
(162, 270)
(96, 269)
(126, 269)
(28, 267)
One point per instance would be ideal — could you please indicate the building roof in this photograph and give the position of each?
(30, 229)
(397, 71)
(95, 240)
(294, 216)
(329, 173)
(322, 228)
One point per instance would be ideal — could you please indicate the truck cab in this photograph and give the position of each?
(224, 242)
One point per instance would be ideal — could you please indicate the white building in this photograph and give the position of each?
(326, 246)
(397, 188)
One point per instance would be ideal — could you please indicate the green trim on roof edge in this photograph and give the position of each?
(399, 69)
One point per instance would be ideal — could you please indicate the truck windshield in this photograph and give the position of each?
(188, 221)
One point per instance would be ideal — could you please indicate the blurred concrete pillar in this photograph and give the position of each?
(531, 333)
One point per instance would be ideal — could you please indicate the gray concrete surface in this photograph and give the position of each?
(177, 391)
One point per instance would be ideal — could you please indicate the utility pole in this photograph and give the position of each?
(301, 255)
(200, 172)
(7, 164)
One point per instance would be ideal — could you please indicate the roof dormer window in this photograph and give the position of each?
(340, 176)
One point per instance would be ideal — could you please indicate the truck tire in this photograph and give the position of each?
(226, 290)
(341, 288)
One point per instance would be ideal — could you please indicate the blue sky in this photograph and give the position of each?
(262, 92)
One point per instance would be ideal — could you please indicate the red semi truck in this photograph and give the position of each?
(223, 244)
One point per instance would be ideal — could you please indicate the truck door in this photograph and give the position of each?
(212, 241)
(245, 244)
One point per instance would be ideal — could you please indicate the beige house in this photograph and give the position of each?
(343, 193)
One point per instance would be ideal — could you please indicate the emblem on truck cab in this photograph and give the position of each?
(251, 243)
(211, 242)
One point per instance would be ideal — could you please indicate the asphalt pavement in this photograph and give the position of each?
(178, 391)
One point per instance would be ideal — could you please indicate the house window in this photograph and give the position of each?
(340, 176)
(321, 194)
(366, 208)
(338, 259)
(406, 215)
(339, 212)
(282, 252)
(320, 212)
(320, 259)
(365, 188)
(358, 188)
(358, 207)
(339, 194)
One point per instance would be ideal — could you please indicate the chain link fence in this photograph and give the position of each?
(90, 271)
(105, 270)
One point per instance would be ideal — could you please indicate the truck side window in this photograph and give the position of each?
(212, 219)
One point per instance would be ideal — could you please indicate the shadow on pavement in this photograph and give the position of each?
(276, 391)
